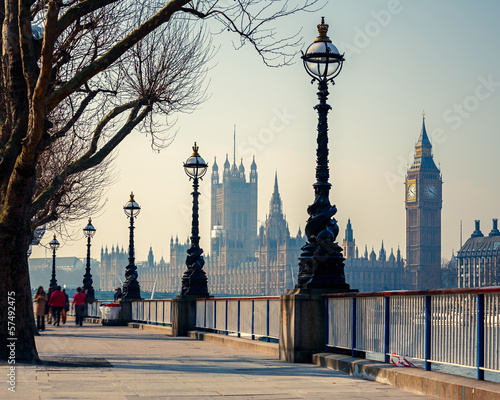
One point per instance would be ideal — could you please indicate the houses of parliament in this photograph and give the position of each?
(245, 259)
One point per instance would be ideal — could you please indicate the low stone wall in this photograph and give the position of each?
(428, 383)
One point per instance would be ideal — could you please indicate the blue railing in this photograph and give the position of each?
(255, 318)
(456, 327)
(155, 312)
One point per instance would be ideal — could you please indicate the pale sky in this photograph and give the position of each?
(402, 57)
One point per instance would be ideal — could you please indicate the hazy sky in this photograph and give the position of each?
(401, 57)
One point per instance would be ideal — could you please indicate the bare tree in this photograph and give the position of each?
(76, 78)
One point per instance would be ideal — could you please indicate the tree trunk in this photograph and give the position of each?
(17, 324)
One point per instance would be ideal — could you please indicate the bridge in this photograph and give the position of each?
(450, 337)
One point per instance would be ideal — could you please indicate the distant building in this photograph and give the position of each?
(113, 268)
(479, 259)
(369, 273)
(423, 201)
(69, 271)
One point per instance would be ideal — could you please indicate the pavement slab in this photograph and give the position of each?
(122, 363)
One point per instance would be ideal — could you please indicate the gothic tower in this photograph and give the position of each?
(233, 213)
(423, 201)
(349, 244)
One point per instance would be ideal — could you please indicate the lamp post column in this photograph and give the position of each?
(89, 232)
(131, 288)
(54, 245)
(194, 280)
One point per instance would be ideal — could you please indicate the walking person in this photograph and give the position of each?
(79, 304)
(40, 299)
(57, 302)
(66, 307)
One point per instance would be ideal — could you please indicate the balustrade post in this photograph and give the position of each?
(267, 321)
(225, 327)
(428, 332)
(387, 328)
(239, 330)
(480, 336)
(354, 353)
(253, 318)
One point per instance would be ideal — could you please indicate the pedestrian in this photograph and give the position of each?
(79, 304)
(40, 299)
(57, 302)
(118, 294)
(66, 307)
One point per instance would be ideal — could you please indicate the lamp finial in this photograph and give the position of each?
(323, 30)
(195, 150)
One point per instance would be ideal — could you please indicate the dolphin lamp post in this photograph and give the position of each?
(321, 264)
(131, 289)
(54, 245)
(194, 280)
(89, 232)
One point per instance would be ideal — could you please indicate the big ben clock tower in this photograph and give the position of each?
(423, 201)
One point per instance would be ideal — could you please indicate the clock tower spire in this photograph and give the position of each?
(423, 203)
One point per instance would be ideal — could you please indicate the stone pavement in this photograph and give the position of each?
(96, 362)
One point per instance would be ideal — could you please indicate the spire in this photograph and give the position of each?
(349, 236)
(234, 145)
(253, 166)
(423, 140)
(423, 152)
(275, 204)
(215, 167)
(382, 253)
(227, 167)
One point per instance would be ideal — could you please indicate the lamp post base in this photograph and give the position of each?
(131, 291)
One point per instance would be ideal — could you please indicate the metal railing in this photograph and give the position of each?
(156, 312)
(255, 318)
(457, 327)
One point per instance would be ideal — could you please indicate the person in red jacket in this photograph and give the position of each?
(79, 304)
(57, 302)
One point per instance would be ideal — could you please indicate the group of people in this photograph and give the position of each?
(56, 306)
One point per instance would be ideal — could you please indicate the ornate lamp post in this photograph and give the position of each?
(89, 232)
(321, 264)
(194, 280)
(54, 245)
(131, 289)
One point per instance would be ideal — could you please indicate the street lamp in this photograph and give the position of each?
(89, 232)
(131, 289)
(321, 264)
(194, 280)
(54, 245)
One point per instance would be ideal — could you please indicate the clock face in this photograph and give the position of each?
(412, 192)
(431, 191)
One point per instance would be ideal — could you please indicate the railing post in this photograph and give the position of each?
(327, 324)
(480, 336)
(353, 333)
(215, 315)
(428, 332)
(267, 322)
(253, 317)
(239, 331)
(225, 324)
(205, 317)
(387, 329)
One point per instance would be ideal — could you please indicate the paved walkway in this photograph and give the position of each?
(96, 362)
